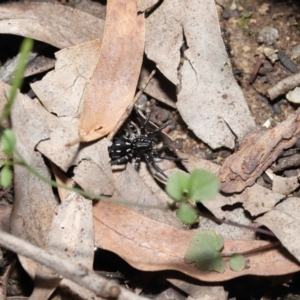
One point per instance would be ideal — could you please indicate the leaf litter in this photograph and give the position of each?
(157, 239)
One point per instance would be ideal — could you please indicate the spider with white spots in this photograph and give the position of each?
(138, 145)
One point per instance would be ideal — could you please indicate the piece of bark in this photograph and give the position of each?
(259, 151)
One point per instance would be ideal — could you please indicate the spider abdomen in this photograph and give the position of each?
(121, 147)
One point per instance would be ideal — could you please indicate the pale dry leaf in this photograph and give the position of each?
(210, 101)
(230, 232)
(151, 246)
(39, 65)
(115, 77)
(164, 38)
(209, 96)
(258, 200)
(284, 222)
(140, 196)
(61, 90)
(72, 235)
(159, 88)
(258, 152)
(55, 24)
(199, 290)
(34, 202)
(283, 185)
(145, 4)
(94, 155)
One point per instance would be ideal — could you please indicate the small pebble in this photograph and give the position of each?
(268, 36)
(295, 51)
(294, 95)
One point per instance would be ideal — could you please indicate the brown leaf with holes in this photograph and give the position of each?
(115, 77)
(152, 246)
(260, 150)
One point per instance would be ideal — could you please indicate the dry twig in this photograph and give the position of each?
(77, 273)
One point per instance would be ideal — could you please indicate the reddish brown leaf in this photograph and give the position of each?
(114, 81)
(150, 245)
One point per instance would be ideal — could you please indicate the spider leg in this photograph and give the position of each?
(150, 133)
(151, 162)
(121, 160)
(137, 162)
(133, 129)
(169, 158)
(143, 130)
(156, 155)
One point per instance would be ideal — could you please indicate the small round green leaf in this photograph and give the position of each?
(177, 185)
(204, 250)
(5, 176)
(187, 214)
(203, 185)
(8, 141)
(237, 262)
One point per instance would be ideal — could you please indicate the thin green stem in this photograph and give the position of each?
(26, 47)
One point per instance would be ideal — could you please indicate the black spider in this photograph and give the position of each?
(138, 145)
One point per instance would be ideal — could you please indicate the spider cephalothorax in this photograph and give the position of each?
(138, 145)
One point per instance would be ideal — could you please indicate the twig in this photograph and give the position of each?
(255, 70)
(256, 250)
(77, 273)
(130, 107)
(235, 224)
(284, 86)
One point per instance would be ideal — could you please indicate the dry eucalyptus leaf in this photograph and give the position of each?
(157, 246)
(72, 235)
(141, 196)
(164, 38)
(283, 185)
(159, 88)
(115, 77)
(39, 65)
(210, 101)
(199, 290)
(34, 202)
(284, 222)
(256, 199)
(145, 4)
(54, 24)
(93, 155)
(259, 151)
(61, 90)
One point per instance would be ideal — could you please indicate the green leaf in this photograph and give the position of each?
(8, 141)
(204, 250)
(5, 176)
(237, 262)
(217, 264)
(203, 185)
(187, 214)
(177, 185)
